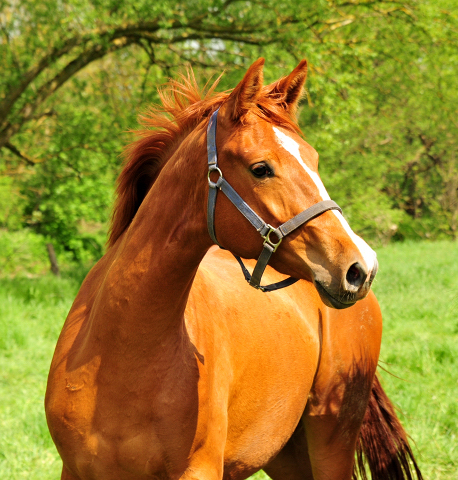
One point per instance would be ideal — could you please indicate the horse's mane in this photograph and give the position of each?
(183, 107)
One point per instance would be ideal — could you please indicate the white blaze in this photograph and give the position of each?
(292, 147)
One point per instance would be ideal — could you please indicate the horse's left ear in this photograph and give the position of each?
(292, 86)
(245, 94)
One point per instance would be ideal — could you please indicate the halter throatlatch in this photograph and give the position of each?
(266, 231)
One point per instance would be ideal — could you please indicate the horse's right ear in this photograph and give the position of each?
(245, 94)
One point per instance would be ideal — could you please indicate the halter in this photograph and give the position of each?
(265, 230)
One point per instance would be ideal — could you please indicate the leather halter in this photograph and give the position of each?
(265, 230)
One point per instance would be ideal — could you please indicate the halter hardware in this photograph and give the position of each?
(212, 169)
(265, 230)
(268, 241)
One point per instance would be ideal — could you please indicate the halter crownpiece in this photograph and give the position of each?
(265, 230)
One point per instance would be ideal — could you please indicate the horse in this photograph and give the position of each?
(170, 365)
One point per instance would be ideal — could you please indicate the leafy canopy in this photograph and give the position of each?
(380, 108)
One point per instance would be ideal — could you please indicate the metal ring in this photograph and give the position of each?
(269, 241)
(211, 169)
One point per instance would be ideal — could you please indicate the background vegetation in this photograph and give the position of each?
(381, 105)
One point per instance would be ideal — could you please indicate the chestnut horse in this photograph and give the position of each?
(170, 366)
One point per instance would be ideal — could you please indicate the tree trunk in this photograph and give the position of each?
(53, 259)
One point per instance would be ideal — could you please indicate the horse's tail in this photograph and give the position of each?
(382, 443)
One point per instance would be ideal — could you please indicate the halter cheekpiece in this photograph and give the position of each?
(270, 245)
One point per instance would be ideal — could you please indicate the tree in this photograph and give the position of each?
(77, 74)
(399, 135)
(47, 44)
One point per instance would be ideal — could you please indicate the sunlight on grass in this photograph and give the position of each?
(417, 288)
(31, 314)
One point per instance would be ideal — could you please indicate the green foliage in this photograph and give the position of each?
(74, 184)
(23, 251)
(380, 107)
(384, 121)
(10, 210)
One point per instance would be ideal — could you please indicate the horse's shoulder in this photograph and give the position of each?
(361, 322)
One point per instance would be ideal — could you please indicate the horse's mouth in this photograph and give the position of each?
(331, 301)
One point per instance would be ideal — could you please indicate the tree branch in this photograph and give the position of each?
(105, 35)
(12, 96)
(21, 155)
(97, 43)
(50, 87)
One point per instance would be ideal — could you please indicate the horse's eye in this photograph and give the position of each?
(261, 170)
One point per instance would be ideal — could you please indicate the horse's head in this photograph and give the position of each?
(276, 173)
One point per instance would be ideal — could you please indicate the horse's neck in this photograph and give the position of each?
(155, 261)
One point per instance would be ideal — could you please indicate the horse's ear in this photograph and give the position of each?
(245, 94)
(292, 86)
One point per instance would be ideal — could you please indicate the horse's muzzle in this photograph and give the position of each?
(355, 286)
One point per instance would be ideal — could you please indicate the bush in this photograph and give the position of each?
(22, 251)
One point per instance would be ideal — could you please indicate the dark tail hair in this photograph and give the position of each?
(382, 443)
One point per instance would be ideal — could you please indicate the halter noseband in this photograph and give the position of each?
(258, 223)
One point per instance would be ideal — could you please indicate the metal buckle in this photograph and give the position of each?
(214, 168)
(267, 239)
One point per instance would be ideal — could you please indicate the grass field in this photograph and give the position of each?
(417, 287)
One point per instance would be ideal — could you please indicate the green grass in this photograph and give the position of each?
(31, 315)
(417, 287)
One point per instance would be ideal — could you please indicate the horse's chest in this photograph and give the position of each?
(136, 421)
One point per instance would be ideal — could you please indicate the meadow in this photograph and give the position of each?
(417, 287)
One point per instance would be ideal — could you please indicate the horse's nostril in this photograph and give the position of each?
(356, 275)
